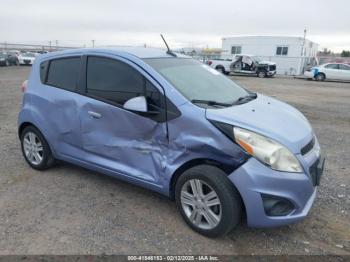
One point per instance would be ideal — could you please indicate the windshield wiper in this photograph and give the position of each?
(209, 102)
(245, 99)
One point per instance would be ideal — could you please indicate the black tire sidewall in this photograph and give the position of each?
(221, 69)
(45, 163)
(230, 200)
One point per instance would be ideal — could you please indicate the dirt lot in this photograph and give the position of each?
(70, 210)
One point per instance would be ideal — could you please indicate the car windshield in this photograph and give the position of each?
(197, 81)
(29, 55)
(3, 55)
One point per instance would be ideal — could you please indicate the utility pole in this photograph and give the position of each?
(93, 43)
(56, 41)
(50, 44)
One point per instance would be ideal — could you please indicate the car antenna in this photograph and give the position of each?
(169, 52)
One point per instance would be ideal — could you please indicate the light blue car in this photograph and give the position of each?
(173, 125)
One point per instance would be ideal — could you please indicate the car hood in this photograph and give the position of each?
(269, 117)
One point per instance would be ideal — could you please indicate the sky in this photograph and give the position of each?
(185, 23)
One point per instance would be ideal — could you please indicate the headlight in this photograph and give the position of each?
(266, 150)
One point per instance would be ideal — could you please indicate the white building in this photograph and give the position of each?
(291, 54)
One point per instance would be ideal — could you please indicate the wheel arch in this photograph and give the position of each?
(195, 162)
(321, 73)
(23, 125)
(220, 67)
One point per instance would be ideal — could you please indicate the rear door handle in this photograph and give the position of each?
(94, 114)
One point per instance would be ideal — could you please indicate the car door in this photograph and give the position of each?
(344, 72)
(332, 71)
(129, 143)
(57, 102)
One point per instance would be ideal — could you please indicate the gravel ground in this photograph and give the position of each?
(70, 210)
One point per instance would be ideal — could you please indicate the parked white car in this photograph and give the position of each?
(26, 58)
(332, 71)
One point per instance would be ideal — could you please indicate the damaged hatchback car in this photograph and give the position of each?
(176, 126)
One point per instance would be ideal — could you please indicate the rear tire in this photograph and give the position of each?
(217, 209)
(320, 77)
(35, 149)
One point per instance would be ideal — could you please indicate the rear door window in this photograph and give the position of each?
(64, 73)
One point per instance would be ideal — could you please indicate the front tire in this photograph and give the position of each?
(35, 149)
(320, 77)
(261, 74)
(208, 201)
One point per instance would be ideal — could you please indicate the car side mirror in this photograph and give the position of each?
(138, 104)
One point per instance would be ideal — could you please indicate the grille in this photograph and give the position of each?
(306, 149)
(272, 67)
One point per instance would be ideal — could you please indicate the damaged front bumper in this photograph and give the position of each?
(273, 198)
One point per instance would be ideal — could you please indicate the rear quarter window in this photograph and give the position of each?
(43, 71)
(64, 73)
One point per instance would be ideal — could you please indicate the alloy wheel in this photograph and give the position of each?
(201, 204)
(262, 74)
(33, 148)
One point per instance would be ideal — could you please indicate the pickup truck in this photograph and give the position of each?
(244, 64)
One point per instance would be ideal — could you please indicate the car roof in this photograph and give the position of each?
(140, 52)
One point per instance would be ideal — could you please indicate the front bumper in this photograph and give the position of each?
(254, 180)
(271, 73)
(25, 62)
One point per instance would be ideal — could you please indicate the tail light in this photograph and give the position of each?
(210, 62)
(24, 86)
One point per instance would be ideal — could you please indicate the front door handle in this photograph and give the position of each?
(94, 114)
